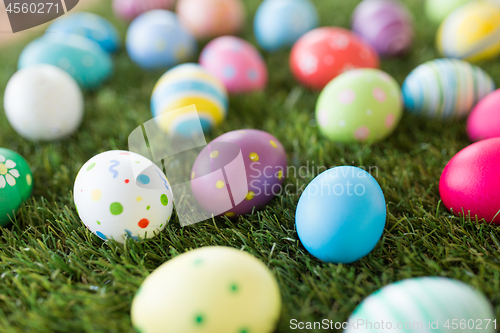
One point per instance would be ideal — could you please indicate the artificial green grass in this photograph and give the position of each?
(55, 276)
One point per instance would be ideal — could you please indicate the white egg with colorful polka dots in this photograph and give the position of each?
(119, 194)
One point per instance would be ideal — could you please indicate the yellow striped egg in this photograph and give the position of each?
(471, 32)
(445, 88)
(183, 86)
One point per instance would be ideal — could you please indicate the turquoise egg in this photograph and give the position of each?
(88, 25)
(424, 304)
(81, 57)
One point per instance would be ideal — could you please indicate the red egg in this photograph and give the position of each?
(470, 183)
(322, 54)
(484, 120)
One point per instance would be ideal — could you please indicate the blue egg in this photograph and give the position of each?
(341, 215)
(81, 57)
(156, 39)
(280, 23)
(88, 25)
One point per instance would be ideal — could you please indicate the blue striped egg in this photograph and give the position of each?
(88, 25)
(185, 85)
(80, 57)
(424, 304)
(157, 39)
(445, 88)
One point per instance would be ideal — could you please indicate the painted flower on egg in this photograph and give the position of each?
(8, 174)
(16, 184)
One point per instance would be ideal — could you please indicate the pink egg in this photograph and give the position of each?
(211, 18)
(484, 120)
(218, 183)
(236, 63)
(130, 9)
(470, 182)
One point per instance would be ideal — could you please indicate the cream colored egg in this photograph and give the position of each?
(43, 102)
(208, 290)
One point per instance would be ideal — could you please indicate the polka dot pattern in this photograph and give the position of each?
(119, 209)
(359, 105)
(116, 208)
(246, 291)
(324, 53)
(236, 63)
(264, 159)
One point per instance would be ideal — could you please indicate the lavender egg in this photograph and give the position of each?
(238, 171)
(385, 24)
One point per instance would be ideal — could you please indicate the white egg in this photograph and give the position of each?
(208, 290)
(43, 102)
(119, 194)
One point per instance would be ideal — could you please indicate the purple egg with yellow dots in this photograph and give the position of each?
(385, 24)
(238, 171)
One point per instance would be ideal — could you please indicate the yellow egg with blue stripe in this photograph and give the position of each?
(183, 86)
(471, 32)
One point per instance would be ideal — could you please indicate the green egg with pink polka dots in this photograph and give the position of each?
(363, 105)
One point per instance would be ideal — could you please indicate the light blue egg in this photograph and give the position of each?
(87, 25)
(341, 215)
(156, 39)
(279, 23)
(81, 57)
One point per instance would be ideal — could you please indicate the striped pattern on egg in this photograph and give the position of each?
(445, 88)
(420, 302)
(183, 86)
(471, 32)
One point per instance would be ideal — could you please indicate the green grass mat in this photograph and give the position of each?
(55, 276)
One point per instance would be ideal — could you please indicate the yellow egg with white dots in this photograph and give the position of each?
(471, 32)
(208, 290)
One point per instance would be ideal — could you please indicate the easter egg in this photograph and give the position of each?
(445, 88)
(359, 105)
(341, 215)
(43, 102)
(81, 57)
(470, 181)
(264, 164)
(119, 194)
(484, 120)
(386, 24)
(87, 25)
(16, 183)
(279, 23)
(156, 39)
(323, 53)
(438, 10)
(423, 304)
(211, 289)
(211, 18)
(130, 9)
(185, 85)
(236, 63)
(471, 32)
